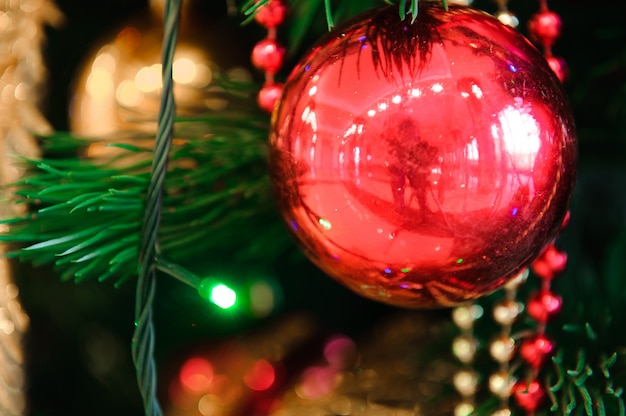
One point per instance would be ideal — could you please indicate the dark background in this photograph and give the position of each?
(77, 327)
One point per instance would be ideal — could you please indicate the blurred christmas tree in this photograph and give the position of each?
(278, 347)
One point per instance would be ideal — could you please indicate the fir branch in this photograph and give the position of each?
(87, 212)
(329, 15)
(581, 388)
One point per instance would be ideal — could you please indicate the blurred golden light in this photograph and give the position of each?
(210, 405)
(262, 299)
(105, 60)
(204, 76)
(148, 78)
(99, 83)
(128, 94)
(118, 88)
(7, 95)
(184, 71)
(239, 74)
(21, 91)
(6, 23)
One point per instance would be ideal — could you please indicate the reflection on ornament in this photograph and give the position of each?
(423, 169)
(119, 88)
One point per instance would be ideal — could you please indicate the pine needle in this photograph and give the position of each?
(87, 213)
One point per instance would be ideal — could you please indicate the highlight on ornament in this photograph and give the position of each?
(423, 164)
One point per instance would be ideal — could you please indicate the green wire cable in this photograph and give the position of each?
(142, 347)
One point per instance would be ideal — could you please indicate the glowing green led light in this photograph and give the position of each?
(223, 296)
(459, 261)
(405, 270)
(324, 223)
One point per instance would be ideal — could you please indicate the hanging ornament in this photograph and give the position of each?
(544, 27)
(423, 164)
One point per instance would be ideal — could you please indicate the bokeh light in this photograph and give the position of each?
(261, 376)
(223, 296)
(340, 352)
(196, 374)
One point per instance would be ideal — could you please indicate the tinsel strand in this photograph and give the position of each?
(143, 337)
(22, 80)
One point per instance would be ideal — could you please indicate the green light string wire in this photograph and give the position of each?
(142, 347)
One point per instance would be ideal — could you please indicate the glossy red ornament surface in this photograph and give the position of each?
(423, 164)
(545, 27)
(272, 14)
(268, 55)
(529, 396)
(544, 305)
(536, 350)
(269, 95)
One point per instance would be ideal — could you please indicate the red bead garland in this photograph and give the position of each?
(550, 263)
(268, 55)
(544, 27)
(530, 396)
(272, 14)
(543, 305)
(269, 95)
(536, 350)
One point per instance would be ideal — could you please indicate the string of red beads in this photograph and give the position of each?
(268, 55)
(543, 306)
(544, 27)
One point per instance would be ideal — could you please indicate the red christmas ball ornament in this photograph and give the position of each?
(268, 55)
(529, 396)
(424, 164)
(536, 350)
(545, 27)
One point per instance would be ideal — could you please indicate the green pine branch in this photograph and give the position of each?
(86, 213)
(586, 388)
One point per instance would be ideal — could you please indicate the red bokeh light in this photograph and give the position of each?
(196, 374)
(261, 376)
